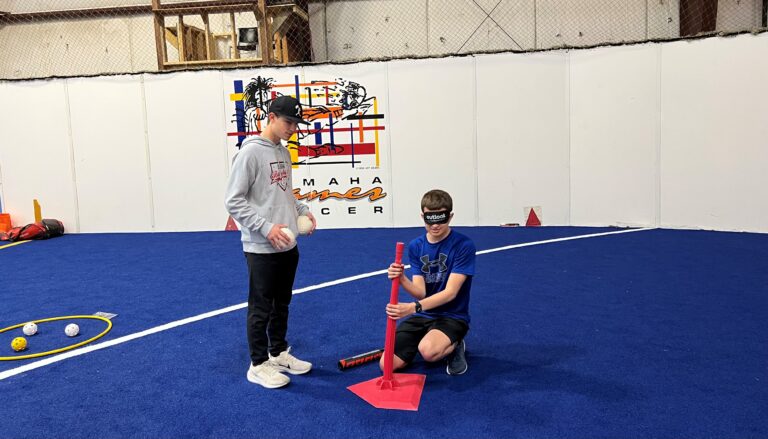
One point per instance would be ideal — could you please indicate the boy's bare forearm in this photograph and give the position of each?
(411, 288)
(448, 294)
(438, 299)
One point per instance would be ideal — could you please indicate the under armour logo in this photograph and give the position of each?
(440, 263)
(298, 110)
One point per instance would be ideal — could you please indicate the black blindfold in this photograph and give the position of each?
(439, 217)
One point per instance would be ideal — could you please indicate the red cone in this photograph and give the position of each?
(231, 226)
(533, 220)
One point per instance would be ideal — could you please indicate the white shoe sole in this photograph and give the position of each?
(291, 371)
(257, 380)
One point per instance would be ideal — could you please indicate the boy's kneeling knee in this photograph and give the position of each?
(430, 355)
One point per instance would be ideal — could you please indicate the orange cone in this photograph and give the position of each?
(5, 222)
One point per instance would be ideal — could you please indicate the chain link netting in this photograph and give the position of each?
(55, 38)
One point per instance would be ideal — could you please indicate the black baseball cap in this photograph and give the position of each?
(288, 107)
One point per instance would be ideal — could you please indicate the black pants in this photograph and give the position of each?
(270, 290)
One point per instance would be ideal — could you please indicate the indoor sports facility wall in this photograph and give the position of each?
(658, 134)
(47, 38)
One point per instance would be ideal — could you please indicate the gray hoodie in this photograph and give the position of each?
(260, 193)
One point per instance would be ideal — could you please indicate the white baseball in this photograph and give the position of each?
(304, 223)
(72, 330)
(30, 329)
(290, 234)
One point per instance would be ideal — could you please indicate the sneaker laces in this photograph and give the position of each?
(287, 357)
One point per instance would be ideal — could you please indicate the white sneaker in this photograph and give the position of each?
(285, 362)
(266, 375)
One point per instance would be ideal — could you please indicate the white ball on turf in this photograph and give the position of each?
(30, 329)
(304, 223)
(290, 234)
(72, 330)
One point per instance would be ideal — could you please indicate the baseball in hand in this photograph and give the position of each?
(305, 224)
(290, 234)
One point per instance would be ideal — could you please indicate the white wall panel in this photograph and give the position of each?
(110, 154)
(715, 134)
(522, 137)
(188, 150)
(614, 119)
(431, 114)
(35, 152)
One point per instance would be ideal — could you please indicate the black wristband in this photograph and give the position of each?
(418, 306)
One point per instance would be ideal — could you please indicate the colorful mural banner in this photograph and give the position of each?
(337, 160)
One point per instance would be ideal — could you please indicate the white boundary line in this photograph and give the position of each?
(569, 238)
(126, 338)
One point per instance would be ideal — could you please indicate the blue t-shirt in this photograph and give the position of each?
(435, 263)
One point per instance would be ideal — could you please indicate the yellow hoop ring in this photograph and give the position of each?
(56, 351)
(15, 243)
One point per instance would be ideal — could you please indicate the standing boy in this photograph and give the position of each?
(260, 198)
(442, 267)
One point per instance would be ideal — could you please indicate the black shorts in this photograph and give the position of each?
(411, 331)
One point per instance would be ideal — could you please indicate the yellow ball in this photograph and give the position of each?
(19, 344)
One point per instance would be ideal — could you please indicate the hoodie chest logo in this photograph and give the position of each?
(279, 174)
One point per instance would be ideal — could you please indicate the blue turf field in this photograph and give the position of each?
(654, 333)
